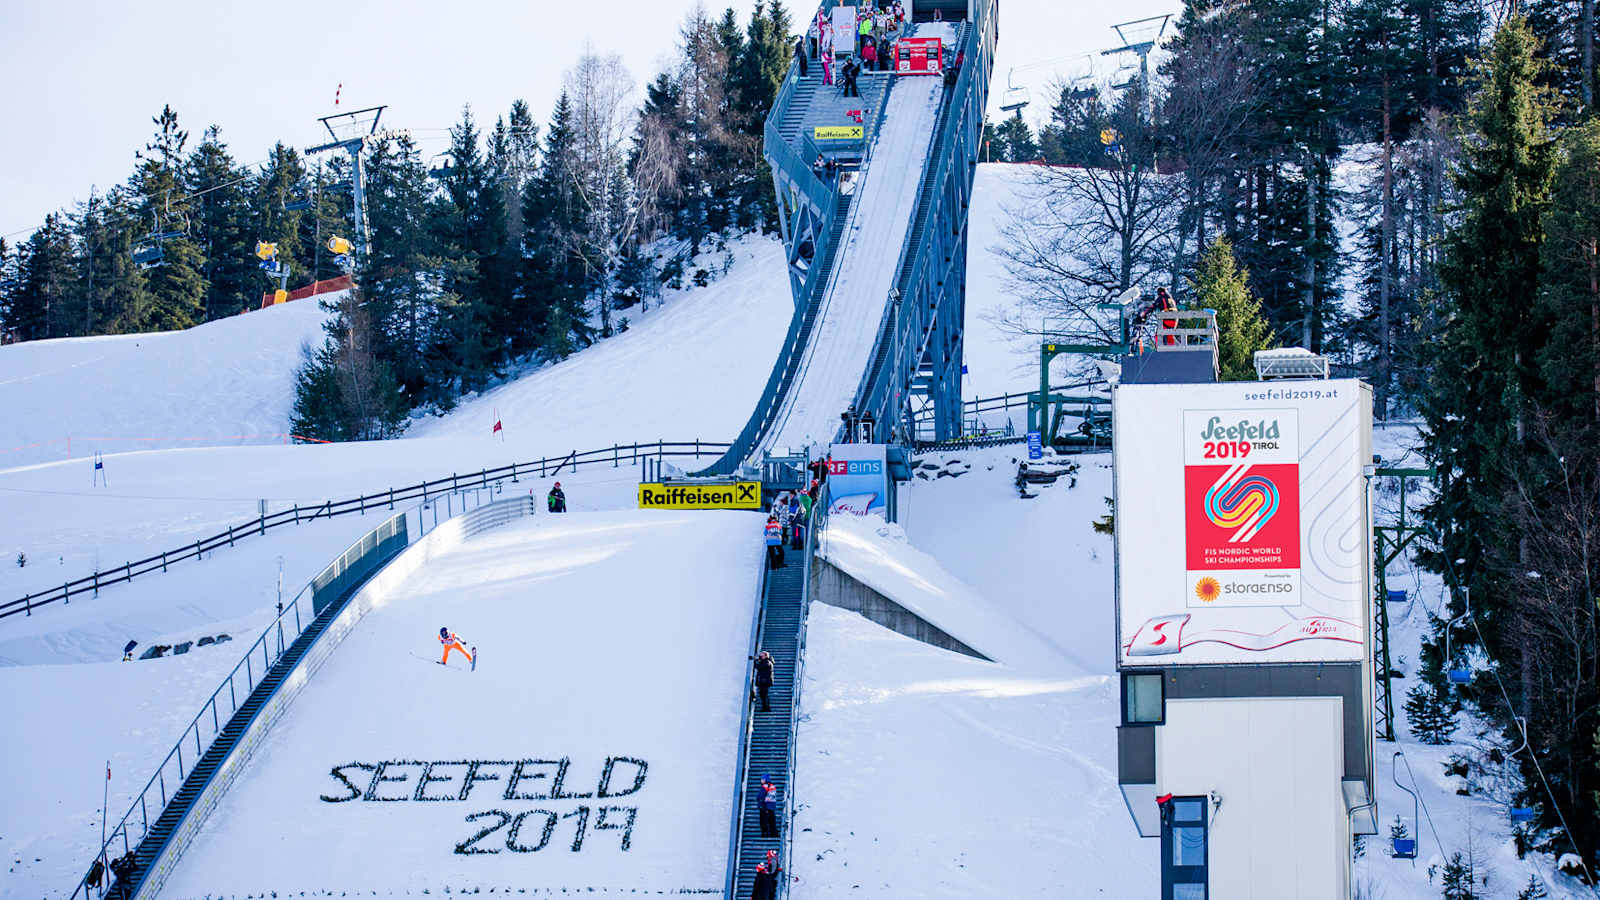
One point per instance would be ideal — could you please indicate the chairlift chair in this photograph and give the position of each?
(1406, 848)
(1015, 98)
(1457, 674)
(299, 205)
(148, 255)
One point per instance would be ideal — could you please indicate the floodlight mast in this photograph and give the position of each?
(351, 123)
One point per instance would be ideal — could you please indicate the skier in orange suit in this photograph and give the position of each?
(451, 642)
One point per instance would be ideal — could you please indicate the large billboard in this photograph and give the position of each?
(1241, 520)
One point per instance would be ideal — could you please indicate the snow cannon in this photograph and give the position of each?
(340, 246)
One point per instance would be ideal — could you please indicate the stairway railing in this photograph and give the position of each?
(741, 765)
(819, 522)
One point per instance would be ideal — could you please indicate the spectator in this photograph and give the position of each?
(819, 167)
(827, 65)
(556, 502)
(780, 508)
(798, 527)
(869, 52)
(764, 679)
(819, 469)
(800, 55)
(774, 543)
(1165, 303)
(766, 884)
(865, 31)
(849, 72)
(767, 799)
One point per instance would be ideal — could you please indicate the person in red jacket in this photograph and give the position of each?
(451, 641)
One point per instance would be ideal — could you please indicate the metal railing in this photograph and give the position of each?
(819, 521)
(363, 556)
(615, 455)
(741, 764)
(481, 512)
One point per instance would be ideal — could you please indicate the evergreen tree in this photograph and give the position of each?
(1484, 357)
(1569, 283)
(38, 304)
(283, 182)
(1456, 881)
(554, 281)
(400, 299)
(1431, 714)
(467, 227)
(1220, 284)
(222, 226)
(177, 286)
(1565, 30)
(1072, 135)
(1533, 890)
(1017, 138)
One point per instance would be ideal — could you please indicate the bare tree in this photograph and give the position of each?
(603, 114)
(1079, 236)
(1212, 91)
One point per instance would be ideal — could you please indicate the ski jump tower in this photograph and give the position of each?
(873, 193)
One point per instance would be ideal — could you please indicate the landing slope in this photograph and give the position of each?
(608, 642)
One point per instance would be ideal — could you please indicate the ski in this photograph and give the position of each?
(474, 659)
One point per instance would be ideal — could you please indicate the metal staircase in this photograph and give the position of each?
(769, 749)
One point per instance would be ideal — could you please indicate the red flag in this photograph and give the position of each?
(336, 93)
(497, 426)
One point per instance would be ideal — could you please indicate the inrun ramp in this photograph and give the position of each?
(876, 255)
(588, 753)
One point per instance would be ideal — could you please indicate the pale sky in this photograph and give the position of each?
(84, 79)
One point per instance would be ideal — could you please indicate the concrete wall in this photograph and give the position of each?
(832, 586)
(1281, 832)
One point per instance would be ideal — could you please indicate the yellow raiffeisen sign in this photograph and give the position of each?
(837, 132)
(739, 495)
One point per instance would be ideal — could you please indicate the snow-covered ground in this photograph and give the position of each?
(852, 310)
(652, 382)
(227, 382)
(602, 637)
(926, 773)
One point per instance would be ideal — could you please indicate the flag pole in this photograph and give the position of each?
(105, 800)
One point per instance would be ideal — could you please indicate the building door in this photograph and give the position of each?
(1183, 848)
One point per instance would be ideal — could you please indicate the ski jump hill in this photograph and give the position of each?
(590, 749)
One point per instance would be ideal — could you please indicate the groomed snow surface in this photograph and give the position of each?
(927, 773)
(865, 268)
(615, 637)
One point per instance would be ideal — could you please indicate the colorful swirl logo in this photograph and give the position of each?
(1244, 504)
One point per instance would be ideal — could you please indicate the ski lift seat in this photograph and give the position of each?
(149, 256)
(297, 205)
(1405, 848)
(1397, 596)
(1460, 676)
(1521, 814)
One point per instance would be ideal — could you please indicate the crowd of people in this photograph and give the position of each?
(870, 46)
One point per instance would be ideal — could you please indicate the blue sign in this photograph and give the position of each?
(1035, 445)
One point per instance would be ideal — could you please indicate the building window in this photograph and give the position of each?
(1143, 699)
(1183, 848)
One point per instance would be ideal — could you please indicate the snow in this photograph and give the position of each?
(1011, 789)
(225, 382)
(601, 635)
(864, 271)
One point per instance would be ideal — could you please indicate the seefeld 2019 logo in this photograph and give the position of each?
(1241, 487)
